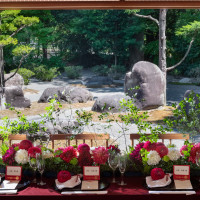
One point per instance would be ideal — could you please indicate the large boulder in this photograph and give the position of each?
(150, 80)
(109, 103)
(97, 81)
(16, 80)
(15, 97)
(68, 94)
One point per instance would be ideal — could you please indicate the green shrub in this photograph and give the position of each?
(26, 74)
(101, 70)
(194, 72)
(117, 71)
(44, 74)
(73, 72)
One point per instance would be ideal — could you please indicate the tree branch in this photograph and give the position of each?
(20, 63)
(147, 17)
(19, 29)
(186, 54)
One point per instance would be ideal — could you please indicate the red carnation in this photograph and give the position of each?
(63, 176)
(68, 154)
(33, 150)
(25, 144)
(83, 148)
(157, 173)
(149, 146)
(162, 150)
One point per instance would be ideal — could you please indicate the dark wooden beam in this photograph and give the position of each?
(69, 5)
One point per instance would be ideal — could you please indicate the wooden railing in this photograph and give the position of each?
(167, 136)
(83, 137)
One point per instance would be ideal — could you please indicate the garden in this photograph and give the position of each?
(99, 72)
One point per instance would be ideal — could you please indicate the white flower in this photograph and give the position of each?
(21, 156)
(173, 154)
(47, 154)
(153, 158)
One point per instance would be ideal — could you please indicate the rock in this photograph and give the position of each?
(16, 80)
(15, 97)
(68, 94)
(102, 104)
(150, 80)
(185, 80)
(64, 127)
(97, 81)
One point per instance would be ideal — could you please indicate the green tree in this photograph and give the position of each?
(12, 22)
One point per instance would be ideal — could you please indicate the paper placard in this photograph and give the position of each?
(91, 173)
(13, 173)
(90, 185)
(181, 172)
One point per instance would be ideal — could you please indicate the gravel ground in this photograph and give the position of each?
(174, 94)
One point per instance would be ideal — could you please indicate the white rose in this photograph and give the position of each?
(21, 156)
(153, 158)
(173, 154)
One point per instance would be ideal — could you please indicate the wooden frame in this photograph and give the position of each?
(167, 136)
(106, 4)
(82, 137)
(15, 137)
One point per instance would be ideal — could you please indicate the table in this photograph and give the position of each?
(134, 190)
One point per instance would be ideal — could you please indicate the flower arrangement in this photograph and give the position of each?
(145, 156)
(149, 155)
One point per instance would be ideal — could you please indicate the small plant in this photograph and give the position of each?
(73, 72)
(186, 115)
(101, 70)
(44, 74)
(26, 74)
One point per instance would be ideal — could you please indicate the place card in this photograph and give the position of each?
(91, 173)
(183, 185)
(90, 185)
(181, 172)
(13, 173)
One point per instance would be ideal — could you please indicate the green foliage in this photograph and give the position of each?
(117, 71)
(25, 73)
(11, 22)
(21, 50)
(44, 74)
(73, 72)
(101, 70)
(192, 29)
(186, 122)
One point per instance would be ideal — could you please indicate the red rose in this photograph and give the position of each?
(157, 173)
(33, 150)
(25, 144)
(63, 176)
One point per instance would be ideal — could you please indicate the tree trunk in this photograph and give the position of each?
(2, 84)
(115, 59)
(44, 49)
(162, 48)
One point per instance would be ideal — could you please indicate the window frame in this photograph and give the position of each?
(106, 4)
